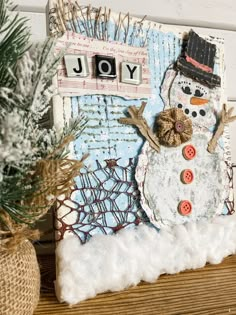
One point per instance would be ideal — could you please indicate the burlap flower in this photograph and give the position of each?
(173, 127)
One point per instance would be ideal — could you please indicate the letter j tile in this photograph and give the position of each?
(76, 65)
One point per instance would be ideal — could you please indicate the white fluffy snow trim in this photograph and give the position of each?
(115, 262)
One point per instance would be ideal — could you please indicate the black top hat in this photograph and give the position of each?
(197, 60)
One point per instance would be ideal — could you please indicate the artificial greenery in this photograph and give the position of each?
(26, 89)
(13, 45)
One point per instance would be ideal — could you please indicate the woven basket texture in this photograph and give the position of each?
(19, 280)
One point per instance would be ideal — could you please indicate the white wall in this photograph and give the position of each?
(206, 13)
(37, 23)
(32, 5)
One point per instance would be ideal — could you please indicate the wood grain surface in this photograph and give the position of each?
(207, 291)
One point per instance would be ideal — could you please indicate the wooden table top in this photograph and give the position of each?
(210, 290)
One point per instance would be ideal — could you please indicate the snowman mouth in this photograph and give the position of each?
(194, 113)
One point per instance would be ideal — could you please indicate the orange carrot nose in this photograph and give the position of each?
(198, 101)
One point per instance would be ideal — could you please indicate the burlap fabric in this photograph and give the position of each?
(19, 280)
(56, 178)
(173, 127)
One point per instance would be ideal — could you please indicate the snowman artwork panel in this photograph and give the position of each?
(148, 201)
(184, 182)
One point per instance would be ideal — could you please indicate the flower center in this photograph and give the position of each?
(179, 126)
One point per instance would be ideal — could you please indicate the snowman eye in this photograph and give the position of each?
(198, 93)
(186, 90)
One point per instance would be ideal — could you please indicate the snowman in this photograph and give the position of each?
(181, 172)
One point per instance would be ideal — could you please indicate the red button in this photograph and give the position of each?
(189, 152)
(187, 176)
(185, 207)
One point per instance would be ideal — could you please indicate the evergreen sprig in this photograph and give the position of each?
(13, 190)
(15, 41)
(26, 89)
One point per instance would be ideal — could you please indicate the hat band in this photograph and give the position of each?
(198, 64)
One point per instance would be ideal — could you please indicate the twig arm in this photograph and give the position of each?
(226, 118)
(136, 118)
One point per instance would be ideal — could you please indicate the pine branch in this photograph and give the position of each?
(15, 190)
(73, 129)
(25, 93)
(4, 17)
(15, 42)
(34, 78)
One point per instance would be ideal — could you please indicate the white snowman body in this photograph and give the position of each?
(164, 192)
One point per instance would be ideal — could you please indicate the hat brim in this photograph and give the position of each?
(209, 79)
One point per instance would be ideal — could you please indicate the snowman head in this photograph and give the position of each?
(191, 84)
(195, 99)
